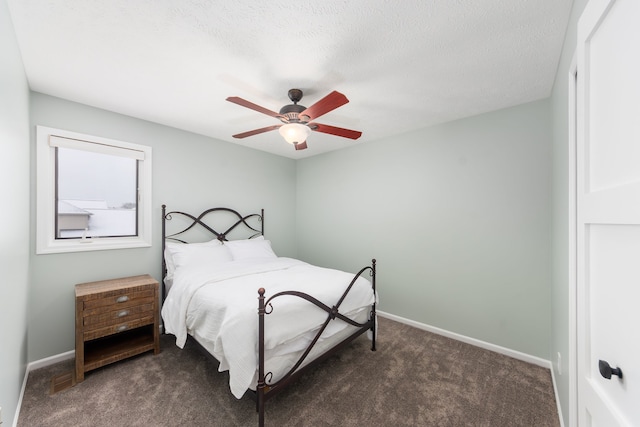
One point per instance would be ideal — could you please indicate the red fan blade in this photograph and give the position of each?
(332, 130)
(256, 131)
(301, 146)
(251, 105)
(326, 104)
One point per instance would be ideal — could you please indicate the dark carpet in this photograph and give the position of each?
(415, 378)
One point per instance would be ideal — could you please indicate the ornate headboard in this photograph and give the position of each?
(188, 228)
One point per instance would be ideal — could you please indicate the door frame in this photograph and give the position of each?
(572, 360)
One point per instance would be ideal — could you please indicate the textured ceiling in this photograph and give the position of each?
(404, 65)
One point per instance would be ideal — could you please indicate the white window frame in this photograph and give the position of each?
(46, 242)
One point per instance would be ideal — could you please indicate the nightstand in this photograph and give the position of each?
(115, 319)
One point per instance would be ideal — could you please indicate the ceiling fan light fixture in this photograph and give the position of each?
(294, 133)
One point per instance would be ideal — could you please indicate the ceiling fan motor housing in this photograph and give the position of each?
(290, 112)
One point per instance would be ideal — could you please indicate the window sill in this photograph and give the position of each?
(92, 244)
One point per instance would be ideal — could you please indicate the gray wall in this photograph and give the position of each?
(190, 173)
(560, 213)
(458, 217)
(14, 193)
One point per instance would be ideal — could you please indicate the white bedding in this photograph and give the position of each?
(217, 304)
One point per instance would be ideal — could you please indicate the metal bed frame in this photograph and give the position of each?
(266, 387)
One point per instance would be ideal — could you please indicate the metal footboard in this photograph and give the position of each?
(266, 387)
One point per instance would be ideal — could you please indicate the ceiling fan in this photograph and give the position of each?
(297, 120)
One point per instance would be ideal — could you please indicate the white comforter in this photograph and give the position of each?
(218, 304)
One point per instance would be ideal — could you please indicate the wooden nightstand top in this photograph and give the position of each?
(89, 288)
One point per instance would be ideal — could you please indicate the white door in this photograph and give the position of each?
(608, 213)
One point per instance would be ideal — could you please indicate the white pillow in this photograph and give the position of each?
(168, 259)
(200, 255)
(170, 248)
(250, 248)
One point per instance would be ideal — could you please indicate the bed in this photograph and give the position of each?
(266, 319)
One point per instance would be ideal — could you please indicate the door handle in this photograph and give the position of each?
(606, 370)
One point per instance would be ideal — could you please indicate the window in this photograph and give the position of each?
(92, 193)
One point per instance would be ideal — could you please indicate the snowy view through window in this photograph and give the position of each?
(96, 195)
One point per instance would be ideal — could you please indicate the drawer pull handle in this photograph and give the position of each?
(123, 298)
(123, 313)
(122, 328)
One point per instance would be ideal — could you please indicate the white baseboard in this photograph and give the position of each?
(555, 393)
(487, 346)
(19, 405)
(51, 360)
(478, 343)
(47, 361)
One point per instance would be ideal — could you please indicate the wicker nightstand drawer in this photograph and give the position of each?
(119, 298)
(115, 319)
(118, 327)
(107, 316)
